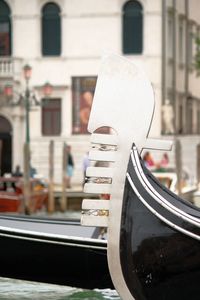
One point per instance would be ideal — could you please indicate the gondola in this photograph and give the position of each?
(153, 234)
(12, 195)
(150, 249)
(46, 249)
(53, 251)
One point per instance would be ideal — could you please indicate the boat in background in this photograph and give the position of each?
(44, 248)
(52, 250)
(12, 198)
(168, 177)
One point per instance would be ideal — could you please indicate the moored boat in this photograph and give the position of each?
(40, 247)
(53, 251)
(159, 238)
(12, 197)
(153, 235)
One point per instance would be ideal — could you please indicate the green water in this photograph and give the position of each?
(11, 289)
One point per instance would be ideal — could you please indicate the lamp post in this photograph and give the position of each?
(26, 98)
(27, 75)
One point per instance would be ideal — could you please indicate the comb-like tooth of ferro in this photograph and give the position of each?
(158, 144)
(103, 152)
(99, 204)
(102, 172)
(95, 212)
(97, 188)
(104, 139)
(108, 156)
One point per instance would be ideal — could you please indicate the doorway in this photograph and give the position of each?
(5, 146)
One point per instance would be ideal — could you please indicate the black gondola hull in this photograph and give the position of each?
(158, 261)
(50, 259)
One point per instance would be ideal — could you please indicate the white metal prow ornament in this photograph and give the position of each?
(123, 101)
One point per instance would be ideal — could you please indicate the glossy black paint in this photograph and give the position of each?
(58, 261)
(158, 262)
(183, 205)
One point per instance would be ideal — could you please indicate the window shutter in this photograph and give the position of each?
(51, 30)
(132, 28)
(51, 117)
(5, 29)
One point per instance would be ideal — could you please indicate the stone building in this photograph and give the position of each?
(63, 41)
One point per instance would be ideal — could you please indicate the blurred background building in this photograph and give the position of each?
(63, 42)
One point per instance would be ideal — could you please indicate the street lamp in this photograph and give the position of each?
(27, 98)
(27, 75)
(47, 90)
(27, 72)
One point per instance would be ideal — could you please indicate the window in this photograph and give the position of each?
(82, 93)
(189, 116)
(198, 120)
(51, 117)
(181, 41)
(190, 45)
(5, 145)
(5, 29)
(51, 30)
(170, 35)
(179, 117)
(132, 27)
(197, 52)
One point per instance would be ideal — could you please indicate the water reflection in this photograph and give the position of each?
(11, 289)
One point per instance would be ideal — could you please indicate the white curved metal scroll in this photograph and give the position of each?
(124, 101)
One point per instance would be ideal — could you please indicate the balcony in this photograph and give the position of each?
(10, 68)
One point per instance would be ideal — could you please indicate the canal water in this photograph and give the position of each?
(11, 289)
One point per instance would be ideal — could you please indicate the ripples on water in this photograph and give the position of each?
(11, 289)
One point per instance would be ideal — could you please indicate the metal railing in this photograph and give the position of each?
(10, 67)
(6, 67)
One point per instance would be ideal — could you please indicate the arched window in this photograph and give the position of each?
(5, 29)
(132, 27)
(5, 145)
(51, 29)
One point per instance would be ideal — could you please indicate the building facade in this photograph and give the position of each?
(63, 41)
